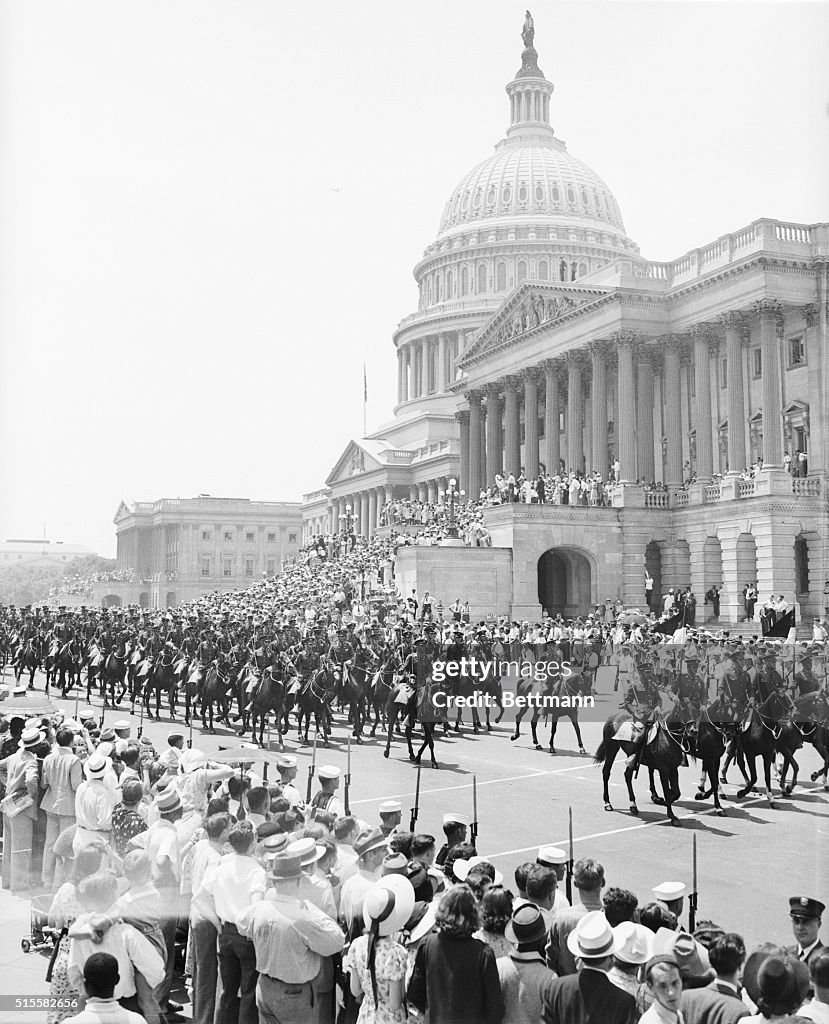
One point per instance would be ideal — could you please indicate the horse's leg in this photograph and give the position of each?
(715, 789)
(518, 719)
(789, 760)
(655, 797)
(609, 757)
(751, 777)
(670, 791)
(534, 727)
(553, 728)
(429, 736)
(409, 731)
(392, 719)
(574, 718)
(476, 720)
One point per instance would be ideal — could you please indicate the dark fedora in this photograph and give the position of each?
(526, 925)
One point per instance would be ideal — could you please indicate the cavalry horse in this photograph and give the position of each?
(401, 702)
(161, 676)
(265, 693)
(810, 718)
(28, 660)
(355, 687)
(215, 692)
(113, 673)
(314, 698)
(382, 683)
(67, 665)
(568, 689)
(761, 733)
(650, 744)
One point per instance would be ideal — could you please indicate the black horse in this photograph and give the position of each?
(314, 698)
(650, 744)
(161, 677)
(266, 694)
(401, 703)
(215, 692)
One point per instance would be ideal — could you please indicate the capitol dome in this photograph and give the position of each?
(531, 179)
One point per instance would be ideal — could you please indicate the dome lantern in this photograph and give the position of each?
(529, 92)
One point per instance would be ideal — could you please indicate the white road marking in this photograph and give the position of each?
(465, 785)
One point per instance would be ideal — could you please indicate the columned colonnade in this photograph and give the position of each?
(427, 366)
(603, 398)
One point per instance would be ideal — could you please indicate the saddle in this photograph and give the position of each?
(404, 694)
(630, 731)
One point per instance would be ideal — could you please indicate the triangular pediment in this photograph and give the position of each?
(531, 307)
(356, 460)
(123, 512)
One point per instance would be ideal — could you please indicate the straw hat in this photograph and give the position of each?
(388, 904)
(592, 936)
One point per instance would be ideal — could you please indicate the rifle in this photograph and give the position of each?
(474, 828)
(311, 769)
(416, 808)
(692, 899)
(570, 861)
(348, 777)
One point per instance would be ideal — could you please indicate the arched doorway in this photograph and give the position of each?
(653, 563)
(801, 567)
(111, 601)
(171, 599)
(711, 570)
(565, 578)
(746, 561)
(144, 600)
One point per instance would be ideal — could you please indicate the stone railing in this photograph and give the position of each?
(806, 487)
(680, 499)
(712, 493)
(657, 499)
(746, 488)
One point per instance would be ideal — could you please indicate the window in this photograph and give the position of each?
(502, 278)
(757, 362)
(542, 270)
(556, 194)
(205, 567)
(522, 194)
(506, 194)
(797, 352)
(249, 538)
(571, 196)
(522, 271)
(206, 535)
(292, 538)
(248, 567)
(227, 567)
(723, 373)
(228, 537)
(272, 538)
(464, 281)
(272, 567)
(481, 277)
(539, 193)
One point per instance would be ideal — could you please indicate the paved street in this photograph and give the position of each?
(750, 861)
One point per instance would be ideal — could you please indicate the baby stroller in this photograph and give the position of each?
(40, 936)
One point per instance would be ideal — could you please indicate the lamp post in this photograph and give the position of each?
(452, 538)
(348, 523)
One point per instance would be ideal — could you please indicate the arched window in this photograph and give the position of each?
(522, 194)
(539, 193)
(506, 194)
(522, 271)
(490, 196)
(573, 271)
(481, 278)
(556, 194)
(562, 271)
(438, 288)
(464, 281)
(582, 269)
(465, 202)
(476, 201)
(571, 195)
(542, 270)
(450, 284)
(801, 564)
(584, 196)
(501, 284)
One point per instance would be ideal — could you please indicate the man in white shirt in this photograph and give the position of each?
(163, 850)
(818, 1008)
(100, 978)
(61, 776)
(226, 892)
(206, 854)
(371, 847)
(94, 801)
(287, 766)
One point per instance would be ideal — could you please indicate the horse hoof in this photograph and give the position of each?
(498, 719)
(435, 764)
(386, 752)
(699, 795)
(552, 749)
(488, 727)
(582, 750)
(771, 802)
(724, 780)
(608, 806)
(789, 789)
(513, 738)
(720, 813)
(676, 823)
(634, 809)
(656, 799)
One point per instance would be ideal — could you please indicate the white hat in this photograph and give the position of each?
(451, 818)
(285, 761)
(192, 759)
(462, 868)
(122, 725)
(97, 766)
(670, 891)
(307, 850)
(634, 942)
(390, 807)
(328, 772)
(551, 855)
(389, 904)
(592, 936)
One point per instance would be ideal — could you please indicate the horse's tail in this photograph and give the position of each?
(598, 757)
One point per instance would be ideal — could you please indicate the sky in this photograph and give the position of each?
(210, 211)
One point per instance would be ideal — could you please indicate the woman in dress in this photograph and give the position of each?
(496, 912)
(377, 962)
(65, 908)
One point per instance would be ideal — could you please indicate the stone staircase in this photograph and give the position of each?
(752, 629)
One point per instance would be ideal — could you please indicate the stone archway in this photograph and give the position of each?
(565, 582)
(171, 599)
(111, 601)
(711, 571)
(746, 562)
(144, 599)
(653, 563)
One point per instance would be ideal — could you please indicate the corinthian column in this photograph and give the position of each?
(598, 406)
(734, 323)
(493, 431)
(552, 416)
(626, 427)
(424, 367)
(463, 419)
(512, 427)
(474, 399)
(644, 413)
(702, 404)
(575, 411)
(769, 313)
(441, 381)
(673, 411)
(531, 422)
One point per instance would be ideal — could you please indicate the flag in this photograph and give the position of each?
(782, 626)
(365, 384)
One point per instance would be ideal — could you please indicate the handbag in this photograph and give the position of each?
(14, 803)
